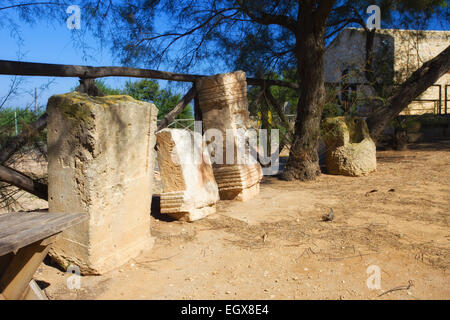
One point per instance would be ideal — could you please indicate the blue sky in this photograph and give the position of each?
(52, 43)
(48, 44)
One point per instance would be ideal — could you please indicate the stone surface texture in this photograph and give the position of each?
(349, 149)
(101, 159)
(189, 189)
(223, 103)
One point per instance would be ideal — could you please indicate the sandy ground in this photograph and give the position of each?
(277, 247)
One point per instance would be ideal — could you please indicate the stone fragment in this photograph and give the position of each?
(100, 162)
(189, 189)
(224, 106)
(350, 150)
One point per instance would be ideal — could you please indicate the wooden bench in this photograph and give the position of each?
(25, 240)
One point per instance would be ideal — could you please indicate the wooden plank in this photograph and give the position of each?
(38, 227)
(44, 225)
(197, 111)
(15, 280)
(61, 70)
(8, 220)
(4, 217)
(25, 221)
(19, 236)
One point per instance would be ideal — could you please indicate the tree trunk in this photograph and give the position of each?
(303, 163)
(368, 70)
(414, 86)
(88, 86)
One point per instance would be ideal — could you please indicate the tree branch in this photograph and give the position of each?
(19, 141)
(414, 86)
(323, 10)
(29, 4)
(347, 22)
(267, 18)
(172, 114)
(23, 182)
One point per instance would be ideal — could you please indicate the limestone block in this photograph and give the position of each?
(224, 106)
(100, 161)
(189, 189)
(239, 182)
(350, 150)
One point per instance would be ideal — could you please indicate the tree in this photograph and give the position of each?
(283, 32)
(266, 35)
(255, 35)
(277, 34)
(416, 14)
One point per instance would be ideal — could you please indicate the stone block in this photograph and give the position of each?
(224, 106)
(350, 150)
(189, 189)
(101, 159)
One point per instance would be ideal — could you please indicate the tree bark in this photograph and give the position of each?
(414, 86)
(23, 182)
(197, 111)
(303, 163)
(88, 86)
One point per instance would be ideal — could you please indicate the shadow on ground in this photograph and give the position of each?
(156, 210)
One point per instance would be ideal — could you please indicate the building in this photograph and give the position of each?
(397, 54)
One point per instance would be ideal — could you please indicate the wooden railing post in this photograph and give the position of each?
(172, 114)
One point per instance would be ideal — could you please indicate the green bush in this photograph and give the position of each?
(8, 123)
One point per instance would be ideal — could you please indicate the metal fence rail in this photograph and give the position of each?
(440, 103)
(181, 123)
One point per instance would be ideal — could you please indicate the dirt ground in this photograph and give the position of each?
(276, 246)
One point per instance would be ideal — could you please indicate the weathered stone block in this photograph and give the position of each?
(224, 106)
(101, 158)
(350, 150)
(190, 191)
(238, 182)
